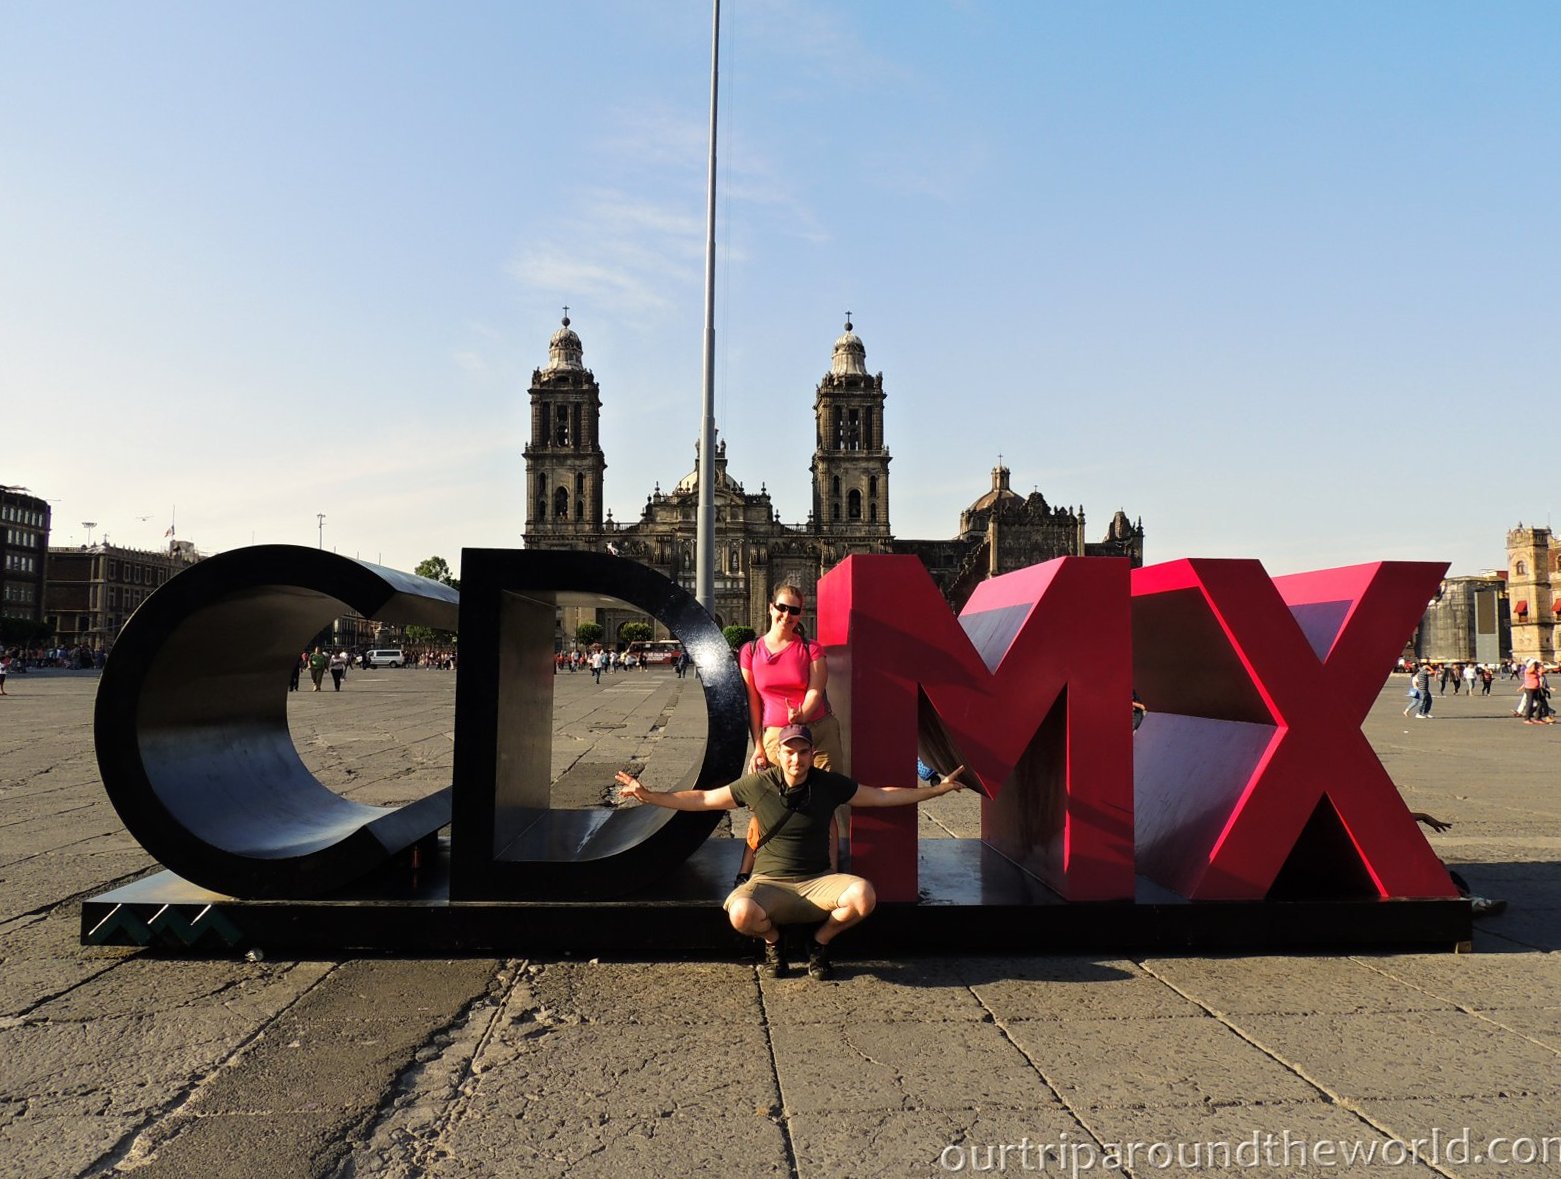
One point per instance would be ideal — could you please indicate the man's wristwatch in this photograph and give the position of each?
(740, 879)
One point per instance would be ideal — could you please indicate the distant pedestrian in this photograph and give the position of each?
(5, 666)
(318, 662)
(1469, 676)
(338, 667)
(1422, 683)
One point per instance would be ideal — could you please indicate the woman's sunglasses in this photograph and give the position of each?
(785, 609)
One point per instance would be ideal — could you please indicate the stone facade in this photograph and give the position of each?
(1466, 622)
(92, 590)
(24, 543)
(1533, 564)
(756, 552)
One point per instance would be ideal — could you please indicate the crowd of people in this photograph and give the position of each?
(322, 660)
(597, 659)
(79, 658)
(1429, 679)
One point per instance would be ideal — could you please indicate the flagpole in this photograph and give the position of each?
(704, 559)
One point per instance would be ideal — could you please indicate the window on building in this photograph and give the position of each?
(561, 504)
(854, 504)
(1520, 569)
(872, 513)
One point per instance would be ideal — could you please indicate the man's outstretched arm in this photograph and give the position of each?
(719, 799)
(907, 795)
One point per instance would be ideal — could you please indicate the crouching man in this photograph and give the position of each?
(792, 881)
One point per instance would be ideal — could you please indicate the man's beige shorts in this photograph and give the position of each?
(795, 902)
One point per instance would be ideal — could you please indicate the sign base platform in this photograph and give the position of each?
(972, 900)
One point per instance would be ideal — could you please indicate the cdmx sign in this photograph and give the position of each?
(1250, 780)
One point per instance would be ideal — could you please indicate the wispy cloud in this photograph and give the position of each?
(471, 362)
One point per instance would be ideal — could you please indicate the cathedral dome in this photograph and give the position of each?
(564, 350)
(850, 354)
(1000, 491)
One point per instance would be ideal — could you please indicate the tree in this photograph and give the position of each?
(736, 636)
(588, 634)
(437, 569)
(636, 632)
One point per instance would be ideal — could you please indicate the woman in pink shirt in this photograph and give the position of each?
(787, 681)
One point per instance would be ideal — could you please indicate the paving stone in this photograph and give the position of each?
(150, 986)
(566, 1070)
(1126, 1063)
(1397, 1055)
(1460, 1135)
(429, 989)
(1541, 1024)
(902, 1066)
(1283, 984)
(331, 1067)
(237, 1146)
(525, 1143)
(873, 991)
(1311, 1139)
(935, 1142)
(1071, 987)
(119, 1065)
(646, 992)
(55, 1144)
(1481, 981)
(26, 983)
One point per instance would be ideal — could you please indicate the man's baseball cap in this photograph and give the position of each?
(795, 734)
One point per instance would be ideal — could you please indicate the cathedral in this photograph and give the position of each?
(755, 551)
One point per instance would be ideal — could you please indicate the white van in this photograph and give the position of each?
(385, 657)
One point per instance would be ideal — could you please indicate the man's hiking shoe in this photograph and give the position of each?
(819, 965)
(774, 963)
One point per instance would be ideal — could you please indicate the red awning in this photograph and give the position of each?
(1523, 607)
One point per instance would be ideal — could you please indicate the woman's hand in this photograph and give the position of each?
(759, 761)
(629, 787)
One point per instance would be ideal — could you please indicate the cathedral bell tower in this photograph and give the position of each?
(564, 460)
(851, 463)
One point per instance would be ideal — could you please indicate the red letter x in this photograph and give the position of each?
(1257, 689)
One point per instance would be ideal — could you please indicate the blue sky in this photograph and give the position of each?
(1281, 279)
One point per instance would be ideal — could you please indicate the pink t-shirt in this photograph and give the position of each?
(782, 679)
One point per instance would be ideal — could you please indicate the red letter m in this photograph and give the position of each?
(1029, 688)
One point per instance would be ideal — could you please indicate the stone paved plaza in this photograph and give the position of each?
(130, 1062)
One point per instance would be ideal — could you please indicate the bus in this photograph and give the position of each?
(656, 651)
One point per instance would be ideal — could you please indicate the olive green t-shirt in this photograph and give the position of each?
(801, 848)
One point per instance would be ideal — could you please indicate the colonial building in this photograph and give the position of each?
(93, 589)
(756, 552)
(1533, 564)
(24, 539)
